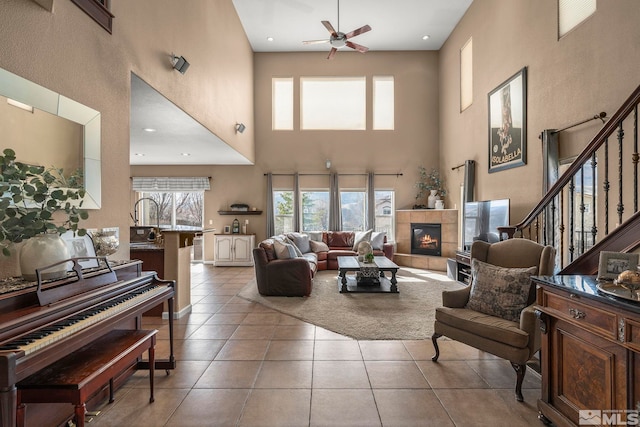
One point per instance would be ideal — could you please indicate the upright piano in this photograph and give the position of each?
(43, 323)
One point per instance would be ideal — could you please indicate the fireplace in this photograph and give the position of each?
(426, 239)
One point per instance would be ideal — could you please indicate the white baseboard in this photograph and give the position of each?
(178, 315)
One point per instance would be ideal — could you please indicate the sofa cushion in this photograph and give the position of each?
(284, 250)
(499, 291)
(335, 253)
(269, 250)
(484, 325)
(361, 236)
(377, 239)
(339, 239)
(318, 246)
(301, 241)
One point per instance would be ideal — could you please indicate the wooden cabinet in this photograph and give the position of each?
(233, 249)
(590, 350)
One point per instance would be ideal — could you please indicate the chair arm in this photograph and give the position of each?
(457, 298)
(529, 324)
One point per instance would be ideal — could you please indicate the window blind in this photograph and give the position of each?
(573, 12)
(156, 184)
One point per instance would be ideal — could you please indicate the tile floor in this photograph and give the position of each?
(242, 364)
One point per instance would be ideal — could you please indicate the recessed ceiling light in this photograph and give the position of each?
(426, 37)
(185, 154)
(269, 39)
(139, 154)
(149, 130)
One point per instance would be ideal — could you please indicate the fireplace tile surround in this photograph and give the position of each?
(448, 218)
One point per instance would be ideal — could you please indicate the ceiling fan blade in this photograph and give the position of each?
(329, 27)
(315, 41)
(357, 32)
(332, 53)
(357, 47)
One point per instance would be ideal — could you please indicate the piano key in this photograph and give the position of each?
(68, 326)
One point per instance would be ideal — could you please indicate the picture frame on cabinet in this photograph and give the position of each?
(613, 263)
(508, 123)
(81, 246)
(227, 229)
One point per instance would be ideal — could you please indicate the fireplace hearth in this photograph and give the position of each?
(426, 239)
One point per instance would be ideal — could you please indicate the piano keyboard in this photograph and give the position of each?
(49, 334)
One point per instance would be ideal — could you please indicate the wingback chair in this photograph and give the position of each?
(515, 339)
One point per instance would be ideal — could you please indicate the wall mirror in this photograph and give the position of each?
(27, 92)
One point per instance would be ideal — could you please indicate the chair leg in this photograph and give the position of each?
(520, 371)
(434, 340)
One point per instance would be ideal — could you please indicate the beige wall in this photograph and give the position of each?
(593, 68)
(69, 53)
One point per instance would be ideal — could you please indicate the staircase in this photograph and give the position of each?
(593, 206)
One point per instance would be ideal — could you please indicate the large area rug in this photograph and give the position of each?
(407, 315)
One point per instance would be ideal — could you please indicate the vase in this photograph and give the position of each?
(106, 241)
(43, 250)
(439, 204)
(431, 200)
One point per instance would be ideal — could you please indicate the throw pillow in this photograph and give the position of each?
(295, 248)
(499, 291)
(301, 241)
(318, 246)
(315, 236)
(377, 239)
(361, 236)
(284, 250)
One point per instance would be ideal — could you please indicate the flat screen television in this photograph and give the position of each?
(482, 219)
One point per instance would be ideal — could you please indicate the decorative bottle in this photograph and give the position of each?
(431, 200)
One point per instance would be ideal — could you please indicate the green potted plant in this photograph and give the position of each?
(36, 202)
(429, 182)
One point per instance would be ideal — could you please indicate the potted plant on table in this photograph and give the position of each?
(432, 183)
(38, 205)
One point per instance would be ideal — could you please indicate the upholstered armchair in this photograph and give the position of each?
(495, 313)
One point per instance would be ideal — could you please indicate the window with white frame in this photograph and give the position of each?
(171, 209)
(282, 99)
(573, 12)
(315, 210)
(466, 75)
(353, 208)
(383, 103)
(333, 103)
(385, 212)
(283, 211)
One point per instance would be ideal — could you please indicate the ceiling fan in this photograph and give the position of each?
(339, 39)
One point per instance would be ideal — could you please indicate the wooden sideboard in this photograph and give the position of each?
(590, 350)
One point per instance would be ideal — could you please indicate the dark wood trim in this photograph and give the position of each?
(239, 213)
(96, 10)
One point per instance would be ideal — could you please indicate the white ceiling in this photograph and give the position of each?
(395, 25)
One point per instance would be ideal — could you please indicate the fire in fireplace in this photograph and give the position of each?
(426, 239)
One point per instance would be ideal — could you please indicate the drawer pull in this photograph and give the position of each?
(577, 314)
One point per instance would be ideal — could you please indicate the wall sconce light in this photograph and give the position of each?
(328, 164)
(179, 63)
(240, 127)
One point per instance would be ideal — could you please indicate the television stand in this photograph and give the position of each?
(463, 267)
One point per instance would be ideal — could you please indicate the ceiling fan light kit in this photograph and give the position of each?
(339, 39)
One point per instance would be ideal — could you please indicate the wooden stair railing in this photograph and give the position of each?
(582, 194)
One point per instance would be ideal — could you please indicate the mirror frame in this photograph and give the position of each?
(23, 90)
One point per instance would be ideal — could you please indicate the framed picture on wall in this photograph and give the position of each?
(508, 123)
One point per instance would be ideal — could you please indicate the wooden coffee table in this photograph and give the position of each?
(350, 283)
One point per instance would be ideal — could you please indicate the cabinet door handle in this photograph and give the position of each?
(577, 314)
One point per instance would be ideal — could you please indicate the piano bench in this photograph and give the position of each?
(79, 375)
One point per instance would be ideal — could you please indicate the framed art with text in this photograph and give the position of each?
(508, 123)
